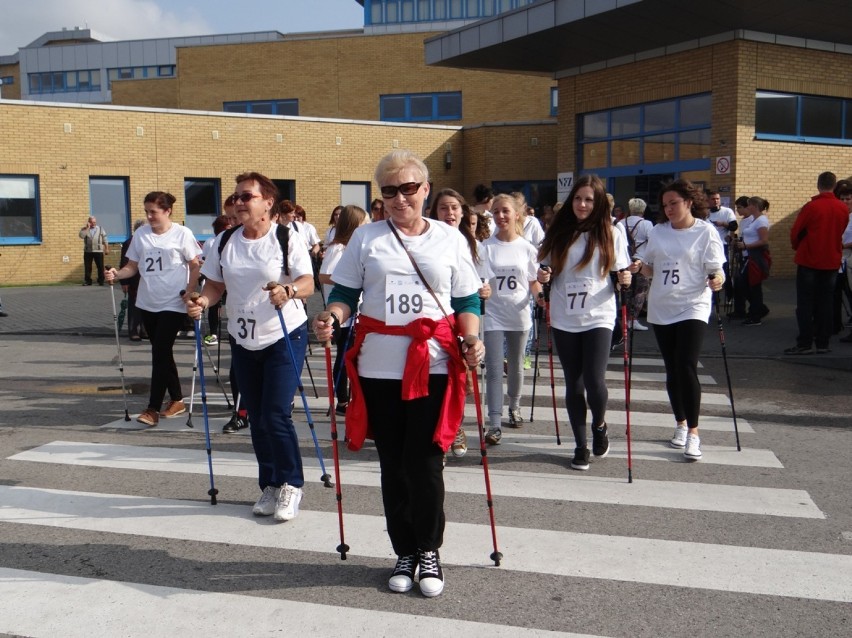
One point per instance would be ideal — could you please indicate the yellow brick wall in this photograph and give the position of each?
(783, 173)
(11, 91)
(158, 93)
(343, 77)
(104, 142)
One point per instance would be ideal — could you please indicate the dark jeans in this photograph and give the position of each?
(341, 381)
(98, 259)
(814, 300)
(268, 381)
(411, 463)
(583, 356)
(162, 328)
(680, 345)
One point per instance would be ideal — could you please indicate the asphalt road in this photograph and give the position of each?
(108, 530)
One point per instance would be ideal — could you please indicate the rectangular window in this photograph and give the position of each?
(595, 125)
(554, 101)
(421, 107)
(696, 111)
(625, 121)
(775, 114)
(660, 116)
(263, 107)
(821, 117)
(694, 144)
(7, 80)
(203, 204)
(19, 210)
(109, 201)
(166, 70)
(65, 81)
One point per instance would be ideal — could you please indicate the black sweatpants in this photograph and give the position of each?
(162, 328)
(680, 344)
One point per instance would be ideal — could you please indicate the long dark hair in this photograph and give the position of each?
(565, 229)
(464, 228)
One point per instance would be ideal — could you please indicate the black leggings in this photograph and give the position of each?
(680, 345)
(411, 463)
(583, 356)
(162, 328)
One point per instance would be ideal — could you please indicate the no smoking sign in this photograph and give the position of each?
(723, 165)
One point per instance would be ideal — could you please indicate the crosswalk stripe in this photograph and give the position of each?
(753, 570)
(648, 493)
(139, 608)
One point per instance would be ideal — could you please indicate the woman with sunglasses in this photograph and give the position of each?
(580, 251)
(267, 362)
(684, 257)
(449, 207)
(167, 258)
(406, 366)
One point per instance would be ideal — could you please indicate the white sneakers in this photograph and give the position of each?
(282, 502)
(692, 450)
(265, 505)
(689, 443)
(679, 437)
(637, 325)
(287, 505)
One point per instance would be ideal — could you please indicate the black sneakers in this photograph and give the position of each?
(600, 441)
(431, 574)
(581, 459)
(402, 578)
(236, 424)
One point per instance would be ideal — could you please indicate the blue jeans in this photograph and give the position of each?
(814, 299)
(268, 380)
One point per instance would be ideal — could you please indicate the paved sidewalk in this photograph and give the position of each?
(86, 311)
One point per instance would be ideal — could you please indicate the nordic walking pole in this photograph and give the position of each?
(537, 328)
(725, 360)
(546, 294)
(622, 298)
(192, 390)
(326, 477)
(496, 555)
(218, 378)
(212, 491)
(343, 547)
(311, 376)
(118, 347)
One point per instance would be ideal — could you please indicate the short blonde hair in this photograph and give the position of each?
(398, 160)
(636, 205)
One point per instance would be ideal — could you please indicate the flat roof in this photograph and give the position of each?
(553, 36)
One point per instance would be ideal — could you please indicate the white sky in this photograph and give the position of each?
(21, 22)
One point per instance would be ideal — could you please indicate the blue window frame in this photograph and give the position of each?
(670, 135)
(7, 80)
(140, 72)
(406, 11)
(554, 101)
(203, 202)
(420, 107)
(65, 81)
(263, 107)
(20, 210)
(790, 117)
(109, 201)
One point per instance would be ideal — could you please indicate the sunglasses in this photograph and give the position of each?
(409, 188)
(244, 197)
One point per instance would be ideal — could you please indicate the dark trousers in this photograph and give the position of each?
(341, 381)
(753, 293)
(98, 259)
(134, 316)
(680, 345)
(268, 381)
(814, 300)
(411, 463)
(583, 356)
(162, 329)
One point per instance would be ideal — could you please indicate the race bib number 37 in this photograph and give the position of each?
(404, 299)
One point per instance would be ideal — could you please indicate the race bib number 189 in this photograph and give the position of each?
(404, 299)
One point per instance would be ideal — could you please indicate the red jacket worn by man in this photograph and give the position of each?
(816, 233)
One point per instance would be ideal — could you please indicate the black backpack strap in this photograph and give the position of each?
(281, 232)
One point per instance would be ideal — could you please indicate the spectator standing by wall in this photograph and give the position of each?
(95, 246)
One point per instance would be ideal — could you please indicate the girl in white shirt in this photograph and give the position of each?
(167, 257)
(347, 220)
(581, 248)
(680, 256)
(512, 259)
(757, 261)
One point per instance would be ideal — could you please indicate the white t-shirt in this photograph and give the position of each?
(392, 292)
(638, 227)
(483, 269)
(847, 234)
(162, 261)
(513, 265)
(533, 231)
(246, 266)
(724, 214)
(329, 263)
(582, 300)
(750, 229)
(329, 236)
(306, 231)
(681, 260)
